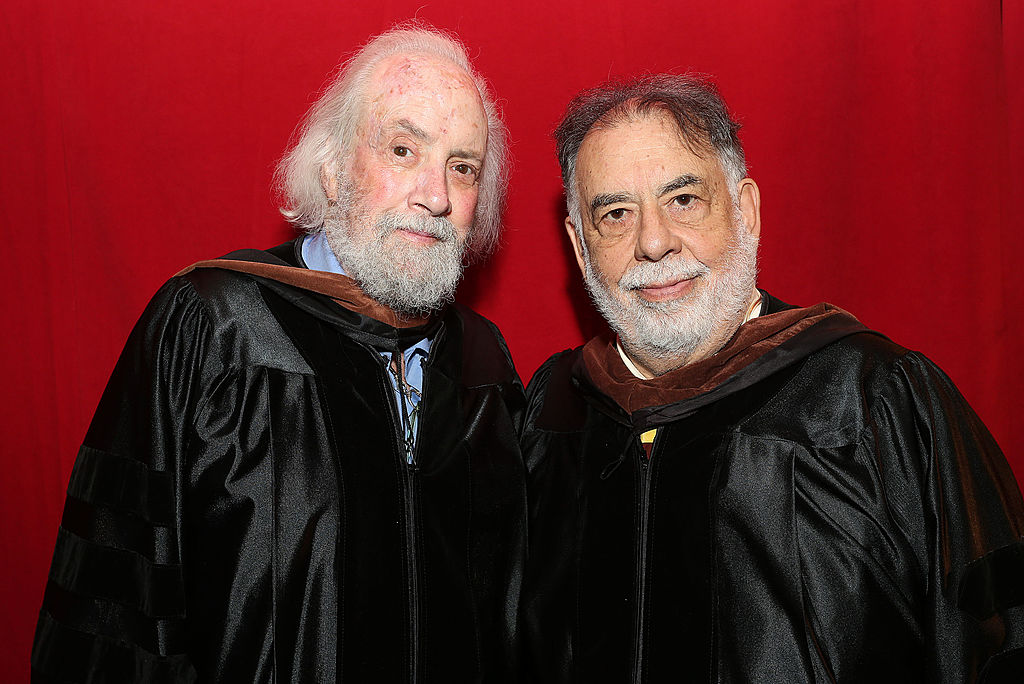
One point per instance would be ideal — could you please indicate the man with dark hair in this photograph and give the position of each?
(732, 488)
(305, 466)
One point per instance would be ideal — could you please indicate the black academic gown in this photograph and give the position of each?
(242, 510)
(834, 512)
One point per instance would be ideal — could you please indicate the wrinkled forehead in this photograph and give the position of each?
(643, 157)
(625, 141)
(632, 112)
(425, 83)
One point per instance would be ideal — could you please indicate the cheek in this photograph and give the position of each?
(611, 261)
(711, 244)
(378, 185)
(463, 205)
(712, 253)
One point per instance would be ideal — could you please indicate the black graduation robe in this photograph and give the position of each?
(242, 510)
(832, 512)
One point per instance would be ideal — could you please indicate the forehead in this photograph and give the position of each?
(638, 152)
(430, 90)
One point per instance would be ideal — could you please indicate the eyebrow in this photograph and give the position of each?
(418, 132)
(684, 181)
(413, 129)
(606, 198)
(466, 154)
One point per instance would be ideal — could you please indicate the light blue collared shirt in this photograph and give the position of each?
(319, 256)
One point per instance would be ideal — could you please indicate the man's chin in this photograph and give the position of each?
(662, 328)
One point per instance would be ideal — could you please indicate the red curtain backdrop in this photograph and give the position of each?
(887, 138)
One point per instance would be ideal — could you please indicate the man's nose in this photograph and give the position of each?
(656, 238)
(431, 192)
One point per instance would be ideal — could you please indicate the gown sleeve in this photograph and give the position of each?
(114, 606)
(972, 520)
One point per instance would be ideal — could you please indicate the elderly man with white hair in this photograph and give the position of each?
(305, 466)
(730, 488)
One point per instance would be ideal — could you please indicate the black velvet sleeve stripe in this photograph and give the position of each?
(62, 654)
(123, 484)
(122, 576)
(114, 620)
(993, 582)
(127, 532)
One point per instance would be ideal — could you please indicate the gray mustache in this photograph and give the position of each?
(647, 274)
(438, 227)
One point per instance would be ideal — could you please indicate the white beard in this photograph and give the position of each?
(407, 278)
(674, 330)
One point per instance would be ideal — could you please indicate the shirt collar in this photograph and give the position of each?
(318, 255)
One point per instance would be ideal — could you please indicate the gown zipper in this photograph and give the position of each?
(413, 570)
(411, 468)
(641, 564)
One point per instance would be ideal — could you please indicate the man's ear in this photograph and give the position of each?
(750, 206)
(329, 180)
(574, 238)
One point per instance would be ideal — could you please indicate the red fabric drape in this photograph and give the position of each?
(140, 137)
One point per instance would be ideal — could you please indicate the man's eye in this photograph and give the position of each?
(616, 214)
(401, 151)
(684, 200)
(464, 169)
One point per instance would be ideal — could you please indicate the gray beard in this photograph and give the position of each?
(674, 330)
(409, 279)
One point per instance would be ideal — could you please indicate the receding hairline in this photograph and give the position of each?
(374, 79)
(380, 69)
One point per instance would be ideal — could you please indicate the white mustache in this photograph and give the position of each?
(437, 227)
(656, 272)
